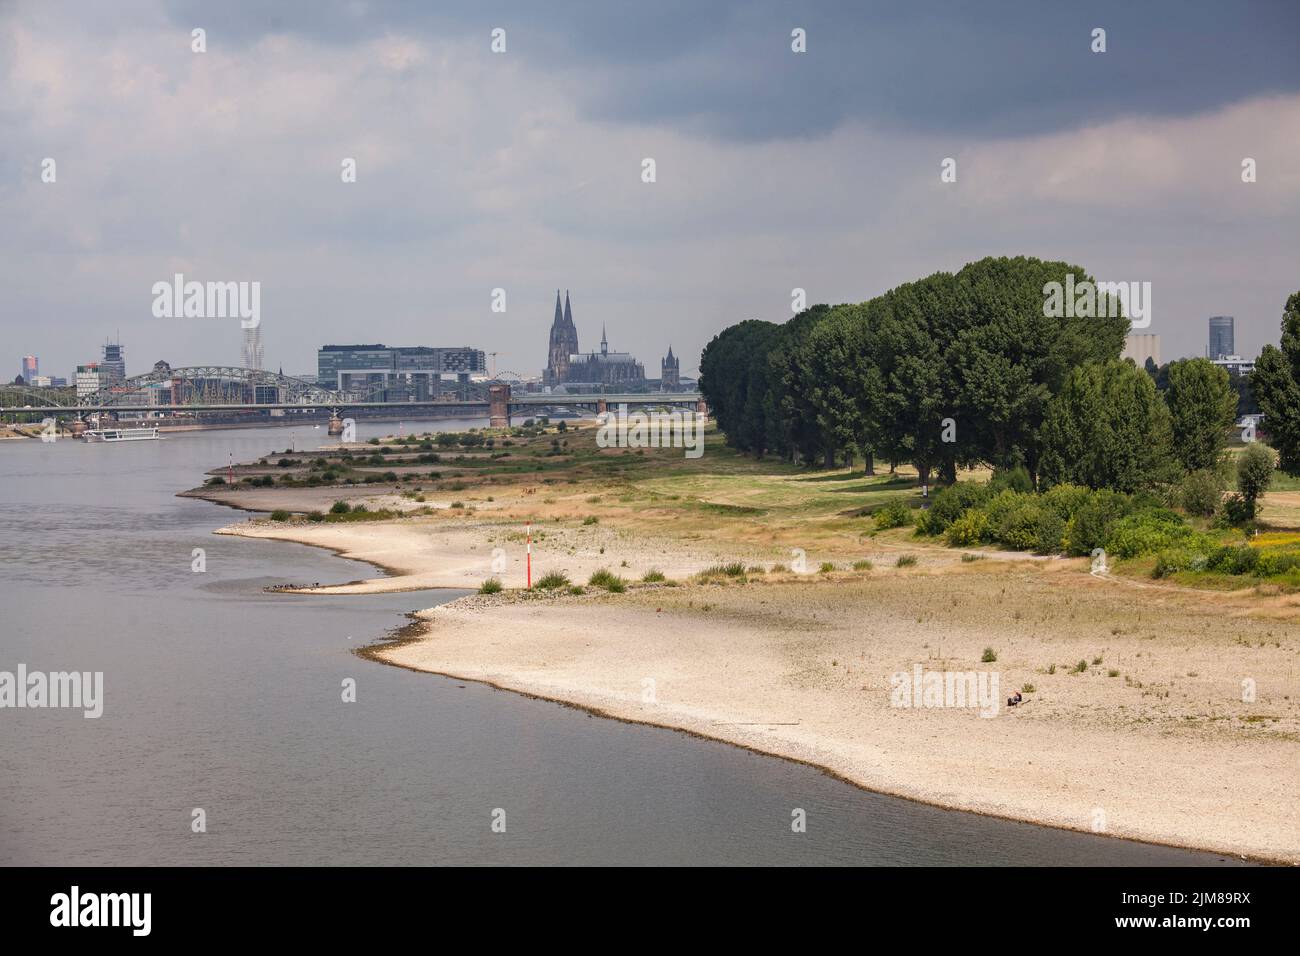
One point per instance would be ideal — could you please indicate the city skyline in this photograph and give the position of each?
(797, 173)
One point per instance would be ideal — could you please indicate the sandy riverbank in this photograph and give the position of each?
(1135, 724)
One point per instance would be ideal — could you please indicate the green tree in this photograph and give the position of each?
(1254, 472)
(1276, 386)
(1108, 428)
(1202, 407)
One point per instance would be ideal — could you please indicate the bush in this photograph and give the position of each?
(1201, 492)
(1238, 510)
(1094, 521)
(1228, 559)
(1146, 533)
(608, 580)
(315, 516)
(339, 508)
(1254, 471)
(279, 514)
(905, 560)
(951, 503)
(863, 565)
(893, 514)
(1049, 536)
(654, 575)
(1013, 479)
(1065, 499)
(989, 656)
(490, 586)
(549, 582)
(591, 519)
(970, 529)
(1018, 527)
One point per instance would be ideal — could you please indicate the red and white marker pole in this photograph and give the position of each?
(530, 554)
(230, 470)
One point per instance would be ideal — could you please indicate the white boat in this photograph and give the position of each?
(122, 434)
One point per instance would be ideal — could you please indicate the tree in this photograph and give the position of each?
(1276, 385)
(1108, 428)
(1202, 407)
(1254, 472)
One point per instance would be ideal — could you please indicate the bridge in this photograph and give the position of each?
(224, 388)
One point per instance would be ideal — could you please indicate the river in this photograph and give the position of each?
(221, 697)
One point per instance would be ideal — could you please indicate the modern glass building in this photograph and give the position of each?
(403, 373)
(1221, 336)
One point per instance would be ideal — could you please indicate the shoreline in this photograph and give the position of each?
(776, 665)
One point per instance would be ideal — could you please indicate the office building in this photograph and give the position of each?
(1221, 337)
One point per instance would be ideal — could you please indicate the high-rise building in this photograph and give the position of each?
(670, 374)
(29, 368)
(88, 379)
(112, 369)
(253, 347)
(1221, 336)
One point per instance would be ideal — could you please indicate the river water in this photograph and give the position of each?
(220, 696)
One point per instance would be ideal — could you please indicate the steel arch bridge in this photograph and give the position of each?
(196, 385)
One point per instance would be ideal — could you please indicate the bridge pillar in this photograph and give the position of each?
(78, 428)
(335, 425)
(499, 405)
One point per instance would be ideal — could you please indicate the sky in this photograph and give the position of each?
(522, 170)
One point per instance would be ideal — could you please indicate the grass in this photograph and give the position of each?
(653, 576)
(604, 578)
(490, 586)
(989, 656)
(905, 561)
(863, 565)
(552, 581)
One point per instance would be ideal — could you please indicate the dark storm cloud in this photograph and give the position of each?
(724, 69)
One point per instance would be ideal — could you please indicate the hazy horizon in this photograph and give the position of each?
(522, 170)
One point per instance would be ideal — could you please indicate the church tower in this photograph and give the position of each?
(670, 375)
(564, 342)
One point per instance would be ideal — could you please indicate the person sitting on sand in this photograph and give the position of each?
(1012, 701)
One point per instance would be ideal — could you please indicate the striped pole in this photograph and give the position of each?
(530, 555)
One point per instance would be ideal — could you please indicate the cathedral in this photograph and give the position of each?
(565, 365)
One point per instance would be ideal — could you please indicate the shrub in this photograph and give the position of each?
(1049, 536)
(1094, 520)
(905, 561)
(1065, 499)
(1254, 471)
(989, 656)
(339, 508)
(1238, 510)
(1014, 479)
(827, 567)
(970, 529)
(1018, 527)
(1233, 560)
(216, 480)
(359, 508)
(553, 580)
(1201, 492)
(490, 586)
(315, 516)
(1146, 533)
(654, 575)
(950, 503)
(893, 514)
(591, 519)
(968, 557)
(279, 514)
(608, 580)
(863, 565)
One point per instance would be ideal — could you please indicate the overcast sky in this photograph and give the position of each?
(522, 170)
